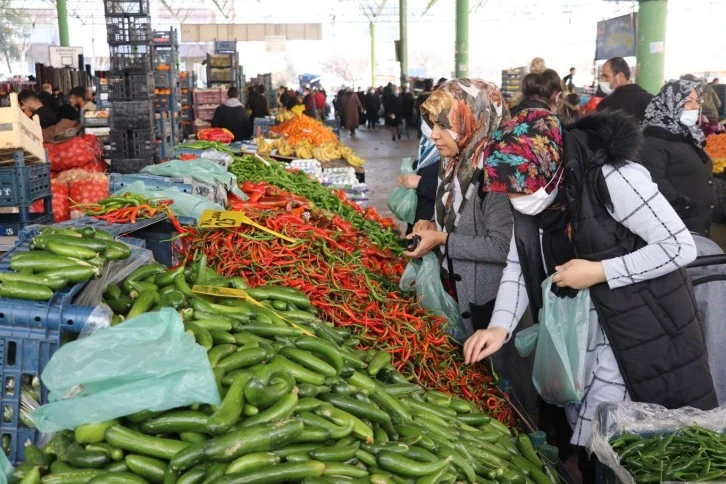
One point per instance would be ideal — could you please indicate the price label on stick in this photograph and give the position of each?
(224, 219)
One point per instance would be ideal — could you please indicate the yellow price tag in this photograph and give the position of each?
(225, 219)
(240, 294)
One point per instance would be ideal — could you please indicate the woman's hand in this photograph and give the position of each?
(579, 274)
(422, 225)
(409, 181)
(483, 343)
(430, 239)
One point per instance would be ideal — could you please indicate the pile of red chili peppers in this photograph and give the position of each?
(353, 283)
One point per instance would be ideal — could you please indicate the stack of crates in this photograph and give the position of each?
(186, 88)
(223, 66)
(167, 106)
(132, 141)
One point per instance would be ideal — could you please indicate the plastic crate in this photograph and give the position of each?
(164, 79)
(205, 114)
(19, 133)
(221, 75)
(130, 57)
(132, 115)
(96, 122)
(115, 230)
(21, 185)
(163, 102)
(208, 96)
(131, 86)
(166, 38)
(261, 127)
(221, 46)
(126, 7)
(131, 144)
(126, 29)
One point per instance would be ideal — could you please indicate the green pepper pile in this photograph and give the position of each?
(249, 168)
(693, 454)
(59, 257)
(300, 404)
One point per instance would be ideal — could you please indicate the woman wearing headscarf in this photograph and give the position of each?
(426, 178)
(673, 153)
(586, 214)
(470, 229)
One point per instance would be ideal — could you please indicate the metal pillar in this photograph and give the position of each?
(62, 22)
(403, 42)
(372, 30)
(461, 55)
(650, 49)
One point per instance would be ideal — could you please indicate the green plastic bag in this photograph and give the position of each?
(185, 204)
(526, 341)
(200, 169)
(146, 363)
(403, 200)
(424, 277)
(559, 361)
(6, 469)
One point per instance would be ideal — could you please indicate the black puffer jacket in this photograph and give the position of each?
(684, 174)
(653, 326)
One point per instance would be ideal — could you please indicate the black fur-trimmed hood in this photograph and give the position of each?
(606, 137)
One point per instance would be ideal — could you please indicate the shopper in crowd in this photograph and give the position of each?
(622, 93)
(338, 105)
(321, 103)
(282, 96)
(422, 97)
(569, 80)
(232, 115)
(541, 89)
(78, 97)
(293, 99)
(46, 96)
(715, 81)
(408, 103)
(352, 108)
(311, 106)
(59, 98)
(586, 214)
(711, 104)
(426, 178)
(569, 109)
(29, 101)
(393, 111)
(373, 107)
(440, 82)
(470, 230)
(673, 153)
(67, 127)
(257, 103)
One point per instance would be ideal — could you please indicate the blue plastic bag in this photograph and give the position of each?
(146, 363)
(425, 278)
(559, 360)
(403, 200)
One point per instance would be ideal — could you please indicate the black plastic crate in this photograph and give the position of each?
(130, 165)
(126, 29)
(165, 79)
(132, 144)
(224, 46)
(132, 115)
(130, 57)
(126, 7)
(130, 86)
(166, 38)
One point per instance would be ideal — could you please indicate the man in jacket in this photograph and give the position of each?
(29, 101)
(622, 93)
(258, 103)
(78, 97)
(231, 114)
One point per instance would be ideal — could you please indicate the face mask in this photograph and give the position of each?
(605, 87)
(537, 202)
(689, 117)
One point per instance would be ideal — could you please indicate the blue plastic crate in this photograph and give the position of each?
(12, 224)
(22, 184)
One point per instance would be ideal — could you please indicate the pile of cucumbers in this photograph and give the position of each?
(59, 257)
(300, 404)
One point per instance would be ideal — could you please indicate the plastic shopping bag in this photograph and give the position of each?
(526, 341)
(6, 469)
(146, 363)
(185, 204)
(403, 200)
(425, 277)
(559, 361)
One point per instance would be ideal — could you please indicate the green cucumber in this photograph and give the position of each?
(75, 274)
(142, 304)
(230, 411)
(299, 372)
(334, 430)
(93, 432)
(283, 408)
(344, 470)
(167, 278)
(118, 478)
(81, 458)
(61, 249)
(287, 472)
(25, 291)
(309, 361)
(257, 438)
(403, 466)
(356, 407)
(74, 477)
(201, 335)
(126, 439)
(322, 348)
(53, 283)
(378, 361)
(255, 460)
(340, 453)
(243, 358)
(172, 299)
(281, 294)
(218, 352)
(97, 245)
(176, 421)
(147, 467)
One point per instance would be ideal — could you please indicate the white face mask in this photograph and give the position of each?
(689, 117)
(605, 87)
(535, 203)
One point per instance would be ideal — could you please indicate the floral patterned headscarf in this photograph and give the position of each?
(524, 154)
(470, 109)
